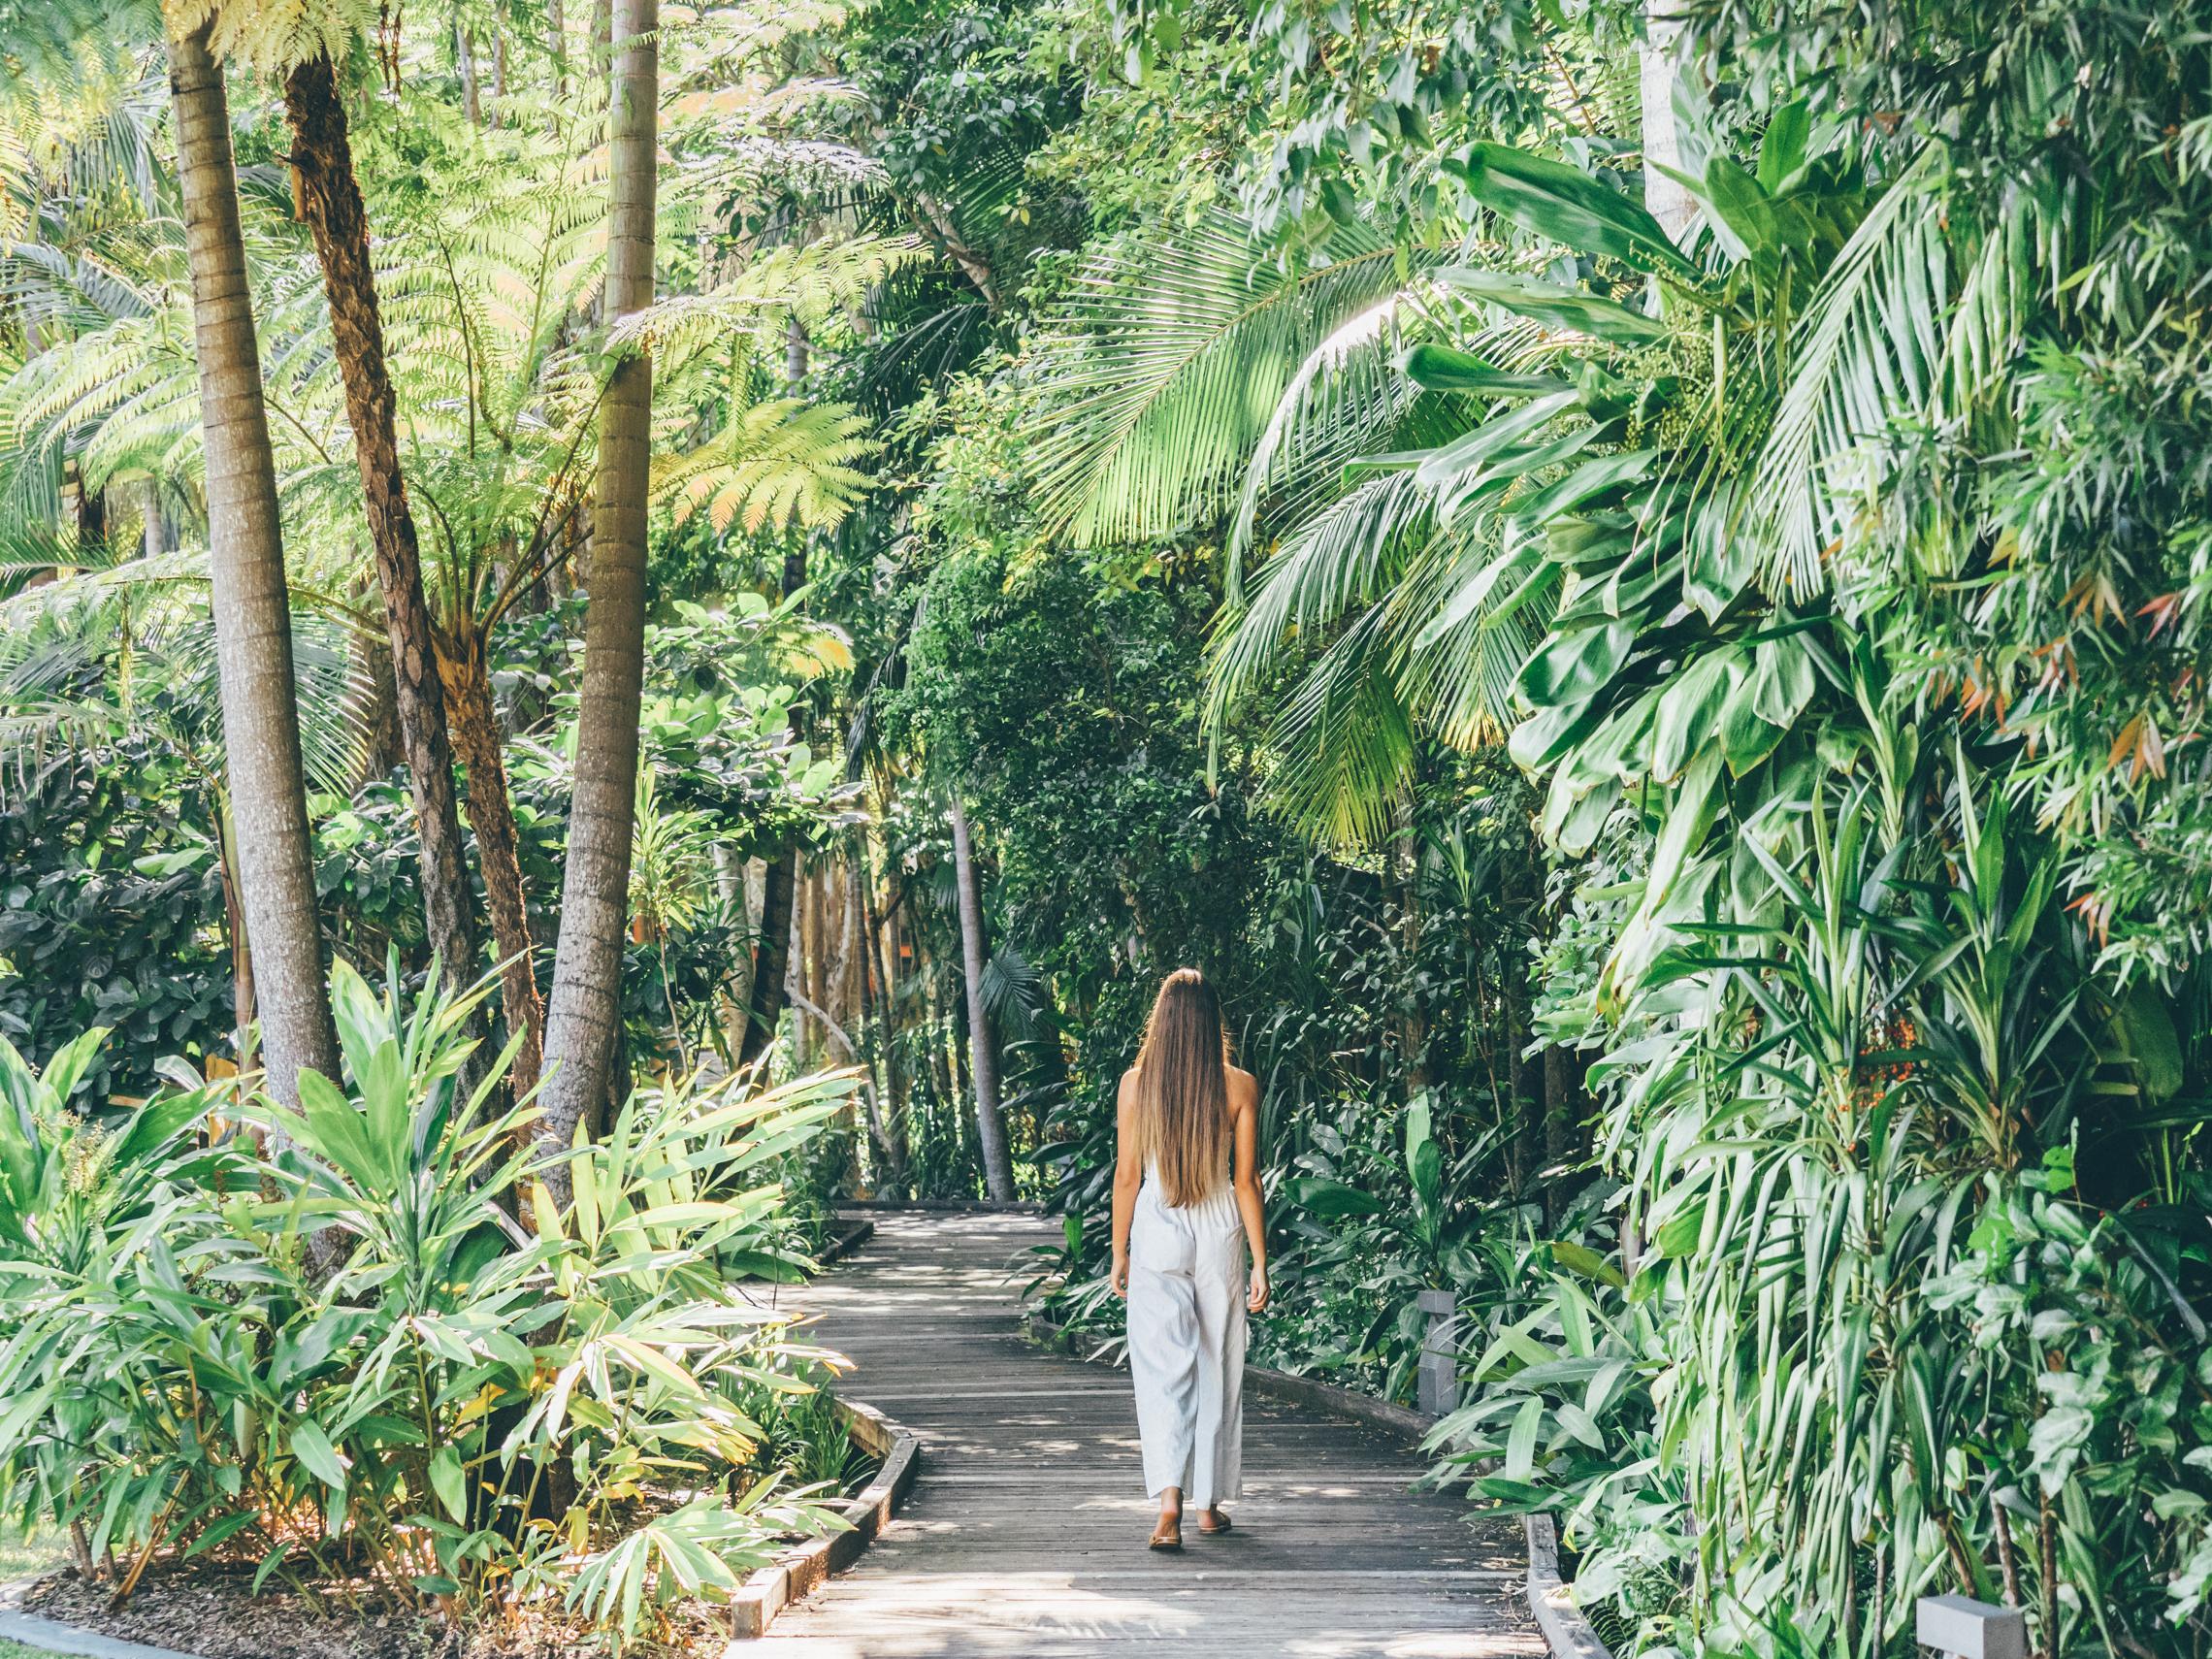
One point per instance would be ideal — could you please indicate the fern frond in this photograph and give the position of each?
(779, 464)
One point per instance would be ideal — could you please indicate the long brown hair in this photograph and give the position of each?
(1182, 1089)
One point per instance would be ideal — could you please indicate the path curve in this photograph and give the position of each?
(1025, 1536)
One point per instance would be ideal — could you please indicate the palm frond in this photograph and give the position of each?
(1871, 347)
(1166, 368)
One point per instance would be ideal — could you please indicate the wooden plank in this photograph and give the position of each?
(1023, 1536)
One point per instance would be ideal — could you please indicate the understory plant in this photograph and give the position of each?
(1862, 1331)
(343, 1350)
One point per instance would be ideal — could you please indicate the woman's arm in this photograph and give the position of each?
(1128, 1176)
(1244, 1103)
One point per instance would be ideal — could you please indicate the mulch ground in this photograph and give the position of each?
(207, 1608)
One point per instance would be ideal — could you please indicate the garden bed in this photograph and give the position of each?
(206, 1608)
(209, 1609)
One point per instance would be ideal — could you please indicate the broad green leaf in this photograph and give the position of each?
(1447, 368)
(1520, 1439)
(1581, 1260)
(1570, 668)
(1745, 738)
(312, 1447)
(1566, 205)
(1688, 718)
(1326, 1198)
(449, 1481)
(1559, 306)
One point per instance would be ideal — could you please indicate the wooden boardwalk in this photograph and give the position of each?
(1025, 1536)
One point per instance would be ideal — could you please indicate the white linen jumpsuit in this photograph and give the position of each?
(1187, 1342)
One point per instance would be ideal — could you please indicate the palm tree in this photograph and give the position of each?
(253, 620)
(323, 155)
(584, 1013)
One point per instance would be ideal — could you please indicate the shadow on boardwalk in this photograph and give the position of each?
(1025, 1534)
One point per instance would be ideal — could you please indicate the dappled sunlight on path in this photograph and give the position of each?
(1024, 1537)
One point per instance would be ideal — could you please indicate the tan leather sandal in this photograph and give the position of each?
(1168, 1535)
(1208, 1530)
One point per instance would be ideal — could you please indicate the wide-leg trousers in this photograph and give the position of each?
(1186, 1344)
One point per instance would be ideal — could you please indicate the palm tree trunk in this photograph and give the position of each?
(585, 1011)
(253, 611)
(982, 1057)
(491, 814)
(323, 155)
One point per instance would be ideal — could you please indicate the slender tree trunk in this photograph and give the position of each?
(323, 155)
(1526, 1074)
(772, 956)
(603, 44)
(1669, 201)
(491, 814)
(253, 617)
(465, 58)
(585, 1012)
(386, 747)
(982, 1057)
(880, 997)
(1564, 1104)
(557, 29)
(156, 527)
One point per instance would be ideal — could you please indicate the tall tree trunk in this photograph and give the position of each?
(1526, 1073)
(603, 44)
(879, 996)
(771, 954)
(557, 29)
(1669, 201)
(771, 957)
(1564, 1103)
(253, 611)
(983, 1056)
(585, 1013)
(464, 59)
(323, 155)
(490, 813)
(156, 527)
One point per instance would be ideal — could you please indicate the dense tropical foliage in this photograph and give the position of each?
(1633, 586)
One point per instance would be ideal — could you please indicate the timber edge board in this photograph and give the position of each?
(772, 1588)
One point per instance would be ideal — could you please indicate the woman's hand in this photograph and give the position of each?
(1257, 1297)
(1121, 1274)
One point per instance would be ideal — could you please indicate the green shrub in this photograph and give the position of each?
(348, 1352)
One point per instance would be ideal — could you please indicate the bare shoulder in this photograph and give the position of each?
(1244, 1088)
(1127, 1091)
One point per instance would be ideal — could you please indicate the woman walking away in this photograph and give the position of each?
(1182, 1220)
